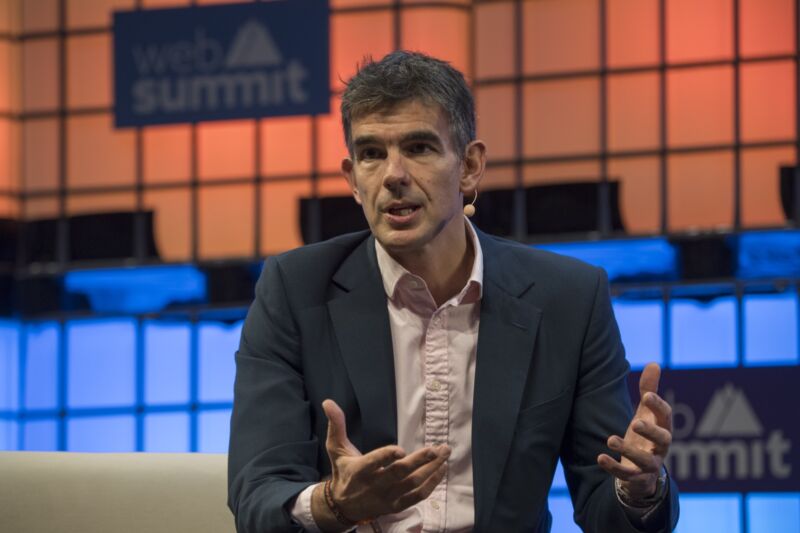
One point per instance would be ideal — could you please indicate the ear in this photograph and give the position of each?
(474, 167)
(349, 174)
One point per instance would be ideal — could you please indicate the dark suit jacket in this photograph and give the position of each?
(550, 381)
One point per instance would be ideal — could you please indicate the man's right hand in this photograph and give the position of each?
(384, 481)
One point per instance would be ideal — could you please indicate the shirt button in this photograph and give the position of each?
(435, 505)
(435, 385)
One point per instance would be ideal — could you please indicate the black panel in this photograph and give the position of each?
(494, 211)
(91, 237)
(706, 257)
(338, 215)
(571, 207)
(229, 284)
(39, 238)
(9, 231)
(790, 193)
(108, 236)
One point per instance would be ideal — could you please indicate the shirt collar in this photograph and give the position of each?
(392, 272)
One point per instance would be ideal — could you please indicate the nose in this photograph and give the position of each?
(395, 176)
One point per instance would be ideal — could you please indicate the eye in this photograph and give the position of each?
(369, 153)
(419, 148)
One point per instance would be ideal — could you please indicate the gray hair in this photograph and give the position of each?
(403, 76)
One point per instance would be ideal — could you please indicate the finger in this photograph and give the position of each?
(382, 457)
(660, 437)
(644, 459)
(418, 476)
(423, 490)
(648, 381)
(402, 468)
(660, 408)
(337, 441)
(617, 469)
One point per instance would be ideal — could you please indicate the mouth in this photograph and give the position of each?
(401, 214)
(402, 211)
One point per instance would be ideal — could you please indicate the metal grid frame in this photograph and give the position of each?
(62, 412)
(738, 288)
(517, 81)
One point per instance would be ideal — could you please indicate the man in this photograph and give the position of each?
(424, 376)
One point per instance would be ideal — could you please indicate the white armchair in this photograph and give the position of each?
(113, 493)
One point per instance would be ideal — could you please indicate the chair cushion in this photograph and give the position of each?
(119, 492)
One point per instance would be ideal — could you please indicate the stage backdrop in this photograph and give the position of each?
(688, 107)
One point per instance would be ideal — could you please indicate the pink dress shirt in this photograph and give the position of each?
(434, 364)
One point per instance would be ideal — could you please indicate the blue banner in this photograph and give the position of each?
(734, 430)
(221, 62)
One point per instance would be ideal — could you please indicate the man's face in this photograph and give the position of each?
(408, 178)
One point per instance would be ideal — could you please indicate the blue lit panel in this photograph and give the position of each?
(629, 259)
(101, 356)
(138, 290)
(40, 435)
(41, 366)
(764, 254)
(9, 365)
(213, 431)
(770, 513)
(640, 323)
(166, 432)
(702, 514)
(218, 343)
(559, 481)
(167, 347)
(101, 434)
(561, 509)
(8, 435)
(703, 334)
(770, 329)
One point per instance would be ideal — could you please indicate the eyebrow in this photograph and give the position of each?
(416, 135)
(366, 139)
(422, 135)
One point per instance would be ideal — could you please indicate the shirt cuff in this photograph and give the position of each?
(301, 510)
(642, 511)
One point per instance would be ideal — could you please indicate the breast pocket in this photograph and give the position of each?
(545, 412)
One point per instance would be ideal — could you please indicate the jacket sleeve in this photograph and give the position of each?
(273, 452)
(602, 407)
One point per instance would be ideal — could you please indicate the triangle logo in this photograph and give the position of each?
(253, 46)
(729, 414)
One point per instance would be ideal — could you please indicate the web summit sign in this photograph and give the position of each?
(734, 429)
(221, 62)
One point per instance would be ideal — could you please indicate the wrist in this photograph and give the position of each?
(333, 507)
(323, 516)
(644, 498)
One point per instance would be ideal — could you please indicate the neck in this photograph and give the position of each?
(445, 269)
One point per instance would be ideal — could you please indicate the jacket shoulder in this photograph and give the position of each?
(308, 270)
(541, 265)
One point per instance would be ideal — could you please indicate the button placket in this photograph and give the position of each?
(437, 401)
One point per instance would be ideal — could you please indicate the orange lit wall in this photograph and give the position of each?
(9, 112)
(564, 92)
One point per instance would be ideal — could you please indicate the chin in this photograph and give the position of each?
(399, 243)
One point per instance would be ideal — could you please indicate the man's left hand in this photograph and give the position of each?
(646, 441)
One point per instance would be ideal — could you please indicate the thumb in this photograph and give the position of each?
(337, 442)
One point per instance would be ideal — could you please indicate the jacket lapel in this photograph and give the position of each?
(361, 322)
(506, 336)
(507, 332)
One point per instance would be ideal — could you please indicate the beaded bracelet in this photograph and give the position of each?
(340, 517)
(335, 508)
